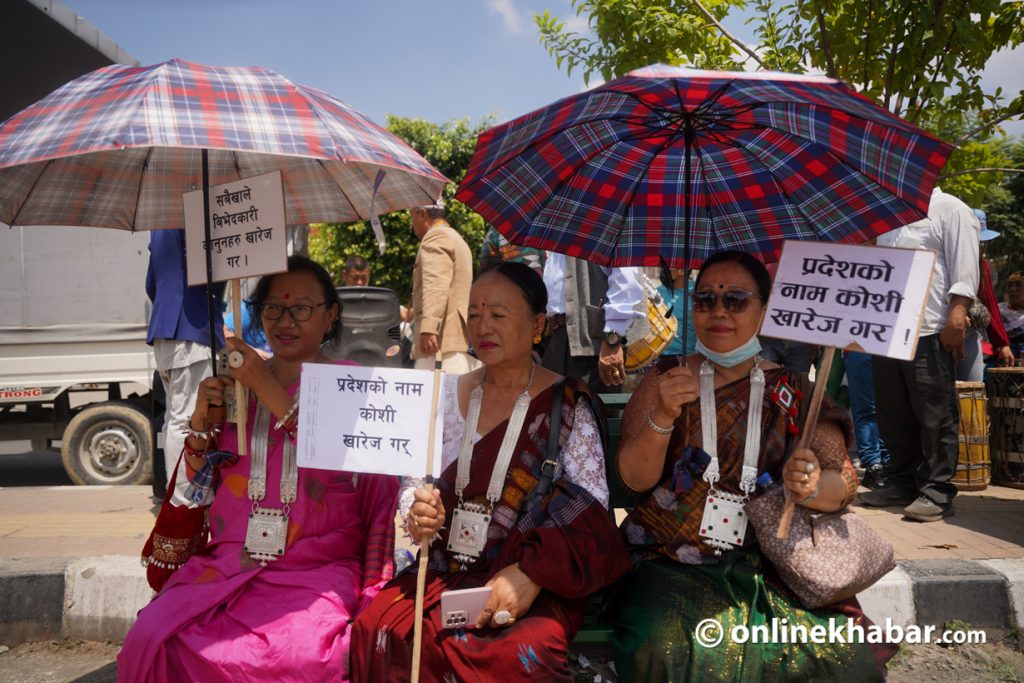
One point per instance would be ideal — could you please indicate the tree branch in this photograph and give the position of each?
(826, 45)
(710, 17)
(985, 126)
(980, 170)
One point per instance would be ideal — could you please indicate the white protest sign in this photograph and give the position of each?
(362, 419)
(247, 229)
(853, 297)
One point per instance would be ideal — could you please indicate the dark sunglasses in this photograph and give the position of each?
(734, 300)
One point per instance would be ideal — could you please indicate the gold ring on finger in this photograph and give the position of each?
(805, 479)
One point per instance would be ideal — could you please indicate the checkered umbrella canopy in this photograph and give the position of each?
(119, 146)
(646, 165)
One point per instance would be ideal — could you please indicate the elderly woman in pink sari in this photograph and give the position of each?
(294, 553)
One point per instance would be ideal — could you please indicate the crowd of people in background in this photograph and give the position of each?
(528, 345)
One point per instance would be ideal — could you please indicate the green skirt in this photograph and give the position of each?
(660, 606)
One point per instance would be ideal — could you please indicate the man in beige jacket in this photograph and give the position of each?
(440, 293)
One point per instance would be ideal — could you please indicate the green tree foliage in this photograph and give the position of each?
(911, 56)
(1005, 213)
(449, 147)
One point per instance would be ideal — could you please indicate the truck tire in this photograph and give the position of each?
(108, 443)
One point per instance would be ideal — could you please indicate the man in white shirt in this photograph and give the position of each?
(589, 309)
(916, 400)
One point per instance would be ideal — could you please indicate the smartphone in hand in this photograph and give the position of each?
(461, 608)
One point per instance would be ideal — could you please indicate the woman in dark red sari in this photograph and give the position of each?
(538, 534)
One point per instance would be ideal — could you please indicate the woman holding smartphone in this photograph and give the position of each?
(510, 512)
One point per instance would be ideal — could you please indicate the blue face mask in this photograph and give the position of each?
(743, 352)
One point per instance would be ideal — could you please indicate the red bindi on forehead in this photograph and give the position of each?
(287, 295)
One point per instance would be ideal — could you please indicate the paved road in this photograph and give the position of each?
(21, 466)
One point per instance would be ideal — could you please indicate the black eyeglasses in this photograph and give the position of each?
(734, 300)
(300, 313)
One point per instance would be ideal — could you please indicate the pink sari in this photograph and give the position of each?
(224, 617)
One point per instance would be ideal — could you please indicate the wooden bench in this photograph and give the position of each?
(596, 630)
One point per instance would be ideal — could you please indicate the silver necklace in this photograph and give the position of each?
(470, 521)
(267, 532)
(724, 523)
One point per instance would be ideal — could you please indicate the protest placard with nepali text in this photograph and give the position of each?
(247, 230)
(853, 297)
(362, 419)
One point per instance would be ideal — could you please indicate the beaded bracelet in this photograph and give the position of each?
(660, 430)
(287, 416)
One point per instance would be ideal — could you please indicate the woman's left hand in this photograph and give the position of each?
(801, 475)
(512, 591)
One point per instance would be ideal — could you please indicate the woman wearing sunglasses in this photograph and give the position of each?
(293, 553)
(695, 557)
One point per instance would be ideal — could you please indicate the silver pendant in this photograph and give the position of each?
(724, 523)
(469, 531)
(266, 534)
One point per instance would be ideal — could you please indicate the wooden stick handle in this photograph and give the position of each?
(421, 572)
(241, 392)
(807, 435)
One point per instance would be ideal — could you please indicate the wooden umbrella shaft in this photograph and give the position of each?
(421, 574)
(807, 435)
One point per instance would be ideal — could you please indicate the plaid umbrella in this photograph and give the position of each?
(675, 164)
(119, 146)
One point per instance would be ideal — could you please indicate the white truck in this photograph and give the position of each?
(74, 364)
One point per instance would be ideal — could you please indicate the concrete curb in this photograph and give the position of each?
(97, 598)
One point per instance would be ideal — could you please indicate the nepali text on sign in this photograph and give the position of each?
(247, 230)
(360, 419)
(850, 296)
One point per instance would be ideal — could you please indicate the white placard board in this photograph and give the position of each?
(361, 419)
(855, 297)
(248, 236)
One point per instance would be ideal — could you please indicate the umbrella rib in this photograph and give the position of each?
(344, 194)
(24, 203)
(138, 193)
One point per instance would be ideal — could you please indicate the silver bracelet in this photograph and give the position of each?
(660, 430)
(195, 434)
(812, 496)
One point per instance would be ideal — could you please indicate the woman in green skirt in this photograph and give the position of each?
(698, 572)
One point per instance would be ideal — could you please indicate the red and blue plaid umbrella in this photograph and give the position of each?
(119, 146)
(644, 166)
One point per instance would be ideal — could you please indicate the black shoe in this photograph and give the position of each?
(887, 497)
(875, 478)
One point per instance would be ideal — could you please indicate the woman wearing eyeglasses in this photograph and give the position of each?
(293, 553)
(694, 559)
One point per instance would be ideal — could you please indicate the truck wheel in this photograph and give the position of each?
(108, 443)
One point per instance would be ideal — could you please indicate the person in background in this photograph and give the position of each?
(440, 292)
(496, 248)
(797, 357)
(874, 457)
(589, 310)
(971, 368)
(916, 400)
(1011, 312)
(179, 332)
(356, 272)
(678, 300)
